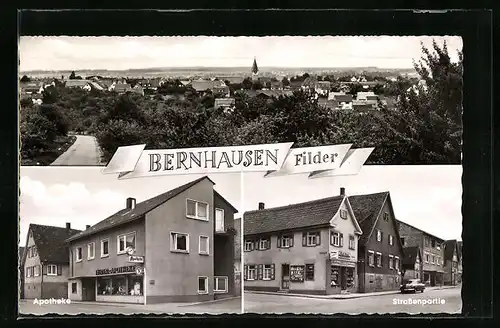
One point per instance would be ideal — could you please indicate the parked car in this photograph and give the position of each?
(412, 286)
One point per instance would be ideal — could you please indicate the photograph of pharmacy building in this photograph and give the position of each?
(175, 247)
(328, 246)
(44, 262)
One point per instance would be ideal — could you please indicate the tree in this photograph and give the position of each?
(25, 79)
(285, 81)
(72, 76)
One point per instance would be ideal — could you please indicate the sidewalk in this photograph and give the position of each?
(344, 296)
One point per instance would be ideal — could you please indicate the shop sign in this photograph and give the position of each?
(343, 263)
(139, 271)
(339, 255)
(136, 259)
(124, 269)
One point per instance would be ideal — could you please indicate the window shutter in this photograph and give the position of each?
(278, 242)
(268, 243)
(256, 245)
(44, 269)
(59, 270)
(319, 238)
(245, 269)
(341, 240)
(272, 271)
(260, 267)
(304, 239)
(26, 273)
(291, 239)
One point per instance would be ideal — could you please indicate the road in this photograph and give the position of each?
(85, 151)
(393, 303)
(232, 305)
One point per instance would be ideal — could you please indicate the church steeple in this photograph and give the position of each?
(255, 69)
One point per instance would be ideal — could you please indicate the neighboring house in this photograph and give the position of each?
(273, 93)
(432, 248)
(121, 88)
(138, 89)
(323, 88)
(20, 273)
(309, 84)
(363, 105)
(225, 103)
(232, 79)
(31, 88)
(237, 256)
(277, 85)
(216, 87)
(412, 262)
(82, 84)
(380, 252)
(175, 247)
(306, 248)
(344, 100)
(452, 263)
(96, 86)
(45, 261)
(366, 96)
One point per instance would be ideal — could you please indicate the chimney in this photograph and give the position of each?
(130, 203)
(342, 191)
(87, 227)
(68, 225)
(262, 206)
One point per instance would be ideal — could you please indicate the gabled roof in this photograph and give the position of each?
(410, 255)
(301, 215)
(203, 85)
(50, 242)
(450, 247)
(225, 201)
(224, 101)
(122, 87)
(76, 83)
(126, 215)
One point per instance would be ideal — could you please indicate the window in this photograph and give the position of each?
(79, 254)
(249, 245)
(250, 272)
(267, 272)
(202, 285)
(311, 239)
(37, 270)
(371, 258)
(352, 242)
(104, 248)
(90, 251)
(391, 241)
(204, 245)
(343, 214)
(135, 283)
(219, 220)
(264, 243)
(426, 258)
(433, 243)
(433, 259)
(379, 259)
(402, 241)
(396, 262)
(379, 235)
(391, 262)
(220, 284)
(179, 242)
(285, 241)
(112, 286)
(196, 210)
(73, 288)
(52, 270)
(309, 271)
(125, 241)
(386, 217)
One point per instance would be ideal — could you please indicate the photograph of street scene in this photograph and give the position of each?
(82, 97)
(387, 240)
(110, 246)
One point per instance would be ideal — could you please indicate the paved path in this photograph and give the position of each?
(232, 305)
(85, 151)
(395, 303)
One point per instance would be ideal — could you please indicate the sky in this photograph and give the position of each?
(427, 197)
(119, 53)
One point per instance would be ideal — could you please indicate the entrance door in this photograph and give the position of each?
(88, 289)
(343, 278)
(285, 276)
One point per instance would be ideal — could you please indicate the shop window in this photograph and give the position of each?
(196, 210)
(79, 254)
(249, 245)
(220, 284)
(104, 248)
(204, 245)
(334, 276)
(125, 241)
(285, 241)
(350, 277)
(297, 273)
(202, 285)
(73, 288)
(309, 271)
(112, 285)
(134, 284)
(371, 258)
(90, 251)
(179, 242)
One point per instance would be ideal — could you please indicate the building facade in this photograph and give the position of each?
(45, 262)
(452, 263)
(412, 262)
(175, 247)
(380, 252)
(308, 248)
(432, 247)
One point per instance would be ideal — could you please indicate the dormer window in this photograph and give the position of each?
(343, 214)
(386, 217)
(196, 210)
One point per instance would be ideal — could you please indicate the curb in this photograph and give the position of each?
(331, 297)
(211, 301)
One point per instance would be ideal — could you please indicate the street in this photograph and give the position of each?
(392, 303)
(85, 151)
(232, 305)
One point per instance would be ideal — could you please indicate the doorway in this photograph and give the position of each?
(343, 279)
(285, 276)
(88, 289)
